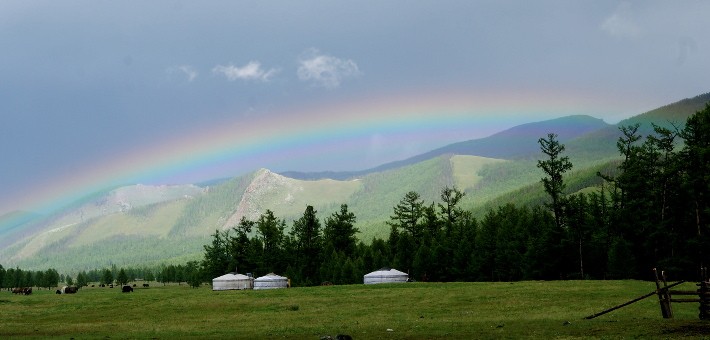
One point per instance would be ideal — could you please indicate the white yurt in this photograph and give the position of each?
(231, 281)
(385, 275)
(270, 281)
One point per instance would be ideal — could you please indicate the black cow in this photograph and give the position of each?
(134, 285)
(145, 285)
(58, 291)
(28, 291)
(127, 289)
(70, 290)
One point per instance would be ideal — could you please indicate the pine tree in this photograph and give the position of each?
(554, 167)
(270, 231)
(339, 231)
(308, 242)
(450, 211)
(407, 215)
(696, 157)
(107, 277)
(215, 261)
(51, 277)
(122, 277)
(81, 279)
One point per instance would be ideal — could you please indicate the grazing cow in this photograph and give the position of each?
(145, 285)
(92, 286)
(70, 289)
(127, 289)
(58, 291)
(134, 285)
(18, 290)
(103, 285)
(28, 291)
(110, 286)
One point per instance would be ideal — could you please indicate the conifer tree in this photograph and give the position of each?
(339, 231)
(107, 277)
(270, 231)
(216, 258)
(81, 280)
(696, 157)
(122, 277)
(407, 215)
(554, 166)
(307, 235)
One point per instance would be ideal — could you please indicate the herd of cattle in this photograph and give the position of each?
(72, 289)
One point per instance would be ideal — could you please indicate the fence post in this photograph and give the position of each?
(663, 297)
(703, 291)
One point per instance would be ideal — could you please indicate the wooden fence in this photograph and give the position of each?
(666, 296)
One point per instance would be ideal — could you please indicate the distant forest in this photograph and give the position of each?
(651, 210)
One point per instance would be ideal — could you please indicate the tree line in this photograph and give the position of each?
(16, 277)
(190, 273)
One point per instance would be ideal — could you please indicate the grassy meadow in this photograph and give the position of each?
(389, 311)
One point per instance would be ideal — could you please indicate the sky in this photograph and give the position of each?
(95, 94)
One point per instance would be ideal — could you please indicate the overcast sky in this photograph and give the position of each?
(84, 81)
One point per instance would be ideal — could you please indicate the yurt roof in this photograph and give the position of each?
(271, 277)
(231, 277)
(386, 272)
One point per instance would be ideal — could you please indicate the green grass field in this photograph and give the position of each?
(392, 311)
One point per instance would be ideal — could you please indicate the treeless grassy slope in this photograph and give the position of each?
(392, 311)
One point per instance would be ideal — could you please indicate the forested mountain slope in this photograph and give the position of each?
(601, 144)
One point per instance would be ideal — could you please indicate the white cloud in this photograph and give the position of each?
(185, 70)
(621, 24)
(250, 71)
(326, 70)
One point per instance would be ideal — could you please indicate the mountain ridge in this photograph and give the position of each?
(527, 134)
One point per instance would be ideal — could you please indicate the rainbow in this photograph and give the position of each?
(250, 142)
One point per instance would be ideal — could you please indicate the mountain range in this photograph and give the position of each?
(150, 225)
